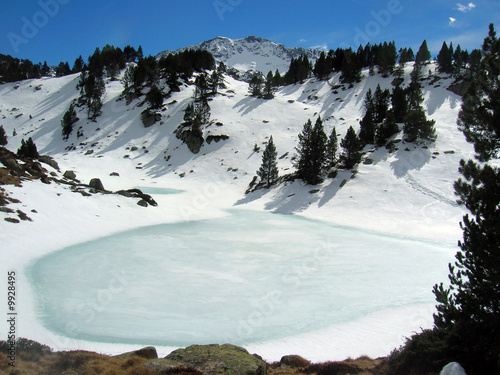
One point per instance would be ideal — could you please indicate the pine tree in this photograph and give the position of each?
(201, 87)
(139, 53)
(78, 65)
(479, 117)
(128, 79)
(417, 127)
(68, 120)
(268, 171)
(255, 86)
(423, 53)
(45, 71)
(3, 136)
(468, 311)
(303, 149)
(318, 153)
(311, 152)
(331, 150)
(268, 86)
(369, 102)
(95, 90)
(399, 104)
(320, 67)
(277, 79)
(189, 114)
(414, 90)
(367, 129)
(387, 129)
(202, 112)
(381, 104)
(351, 70)
(214, 82)
(445, 59)
(155, 97)
(28, 149)
(352, 148)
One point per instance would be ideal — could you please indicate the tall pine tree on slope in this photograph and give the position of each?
(331, 150)
(467, 322)
(352, 148)
(311, 152)
(268, 171)
(469, 309)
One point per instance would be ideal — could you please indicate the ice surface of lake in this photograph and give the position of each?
(246, 278)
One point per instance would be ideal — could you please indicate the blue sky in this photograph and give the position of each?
(61, 30)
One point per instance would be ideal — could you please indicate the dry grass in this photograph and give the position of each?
(75, 363)
(360, 366)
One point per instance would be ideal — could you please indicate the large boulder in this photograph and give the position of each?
(49, 161)
(96, 184)
(452, 368)
(194, 140)
(149, 118)
(460, 87)
(148, 352)
(213, 359)
(70, 175)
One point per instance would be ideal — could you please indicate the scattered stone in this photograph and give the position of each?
(96, 184)
(284, 155)
(70, 175)
(34, 211)
(142, 203)
(291, 101)
(368, 161)
(332, 174)
(343, 183)
(12, 220)
(23, 216)
(89, 152)
(182, 175)
(49, 161)
(217, 138)
(314, 191)
(449, 152)
(133, 148)
(7, 210)
(114, 174)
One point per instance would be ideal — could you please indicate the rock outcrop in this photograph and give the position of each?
(212, 359)
(149, 118)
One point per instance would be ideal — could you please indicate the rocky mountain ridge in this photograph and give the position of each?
(251, 53)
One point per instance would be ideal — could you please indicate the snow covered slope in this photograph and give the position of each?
(407, 192)
(252, 53)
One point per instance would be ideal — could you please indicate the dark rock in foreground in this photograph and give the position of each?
(213, 359)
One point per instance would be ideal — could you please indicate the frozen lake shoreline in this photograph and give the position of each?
(278, 283)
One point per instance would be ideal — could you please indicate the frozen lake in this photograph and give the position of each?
(249, 277)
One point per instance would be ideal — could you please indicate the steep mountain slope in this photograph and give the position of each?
(251, 53)
(403, 181)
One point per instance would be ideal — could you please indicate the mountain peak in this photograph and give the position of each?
(251, 53)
